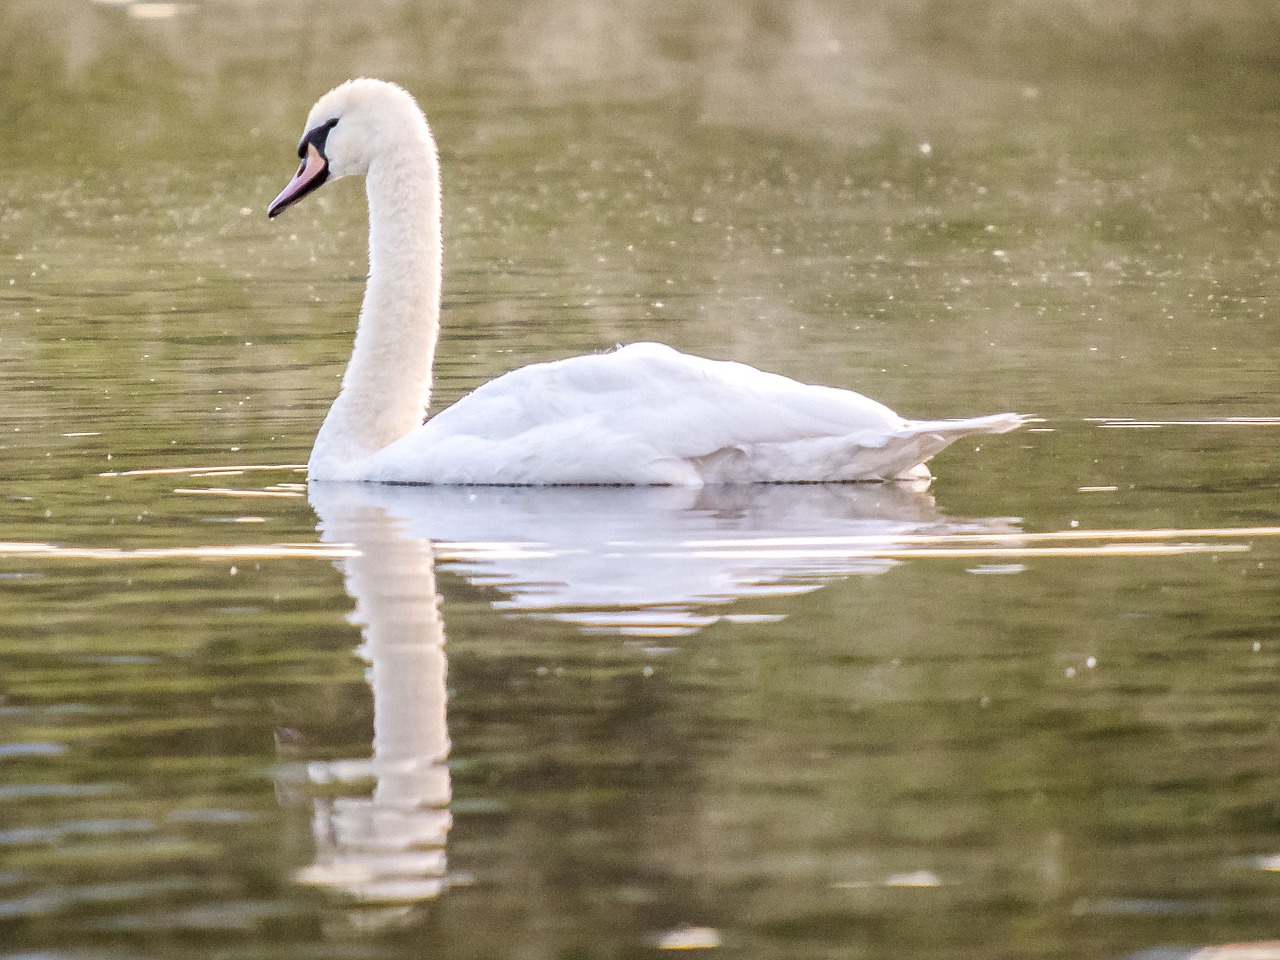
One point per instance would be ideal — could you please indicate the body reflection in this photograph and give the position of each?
(648, 560)
(651, 561)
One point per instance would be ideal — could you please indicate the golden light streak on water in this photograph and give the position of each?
(889, 546)
(479, 550)
(177, 471)
(731, 549)
(273, 551)
(230, 492)
(1171, 533)
(1127, 423)
(939, 553)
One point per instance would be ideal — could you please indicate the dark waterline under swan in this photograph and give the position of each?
(643, 414)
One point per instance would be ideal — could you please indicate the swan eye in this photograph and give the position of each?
(316, 136)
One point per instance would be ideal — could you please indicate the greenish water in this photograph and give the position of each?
(1027, 713)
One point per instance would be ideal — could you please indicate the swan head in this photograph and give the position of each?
(348, 130)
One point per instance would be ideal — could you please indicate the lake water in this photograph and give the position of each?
(1028, 712)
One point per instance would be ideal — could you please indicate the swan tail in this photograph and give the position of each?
(920, 440)
(900, 454)
(995, 423)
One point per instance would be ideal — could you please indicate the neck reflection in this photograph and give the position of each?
(388, 847)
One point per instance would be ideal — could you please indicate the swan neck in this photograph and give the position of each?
(387, 385)
(400, 314)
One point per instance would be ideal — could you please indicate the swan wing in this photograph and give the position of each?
(648, 414)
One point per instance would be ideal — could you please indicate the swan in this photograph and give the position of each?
(641, 414)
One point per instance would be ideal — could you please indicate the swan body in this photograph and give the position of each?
(640, 414)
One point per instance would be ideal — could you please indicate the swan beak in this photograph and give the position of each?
(313, 172)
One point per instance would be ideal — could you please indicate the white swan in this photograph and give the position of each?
(640, 414)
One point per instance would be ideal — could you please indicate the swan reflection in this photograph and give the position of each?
(651, 561)
(644, 560)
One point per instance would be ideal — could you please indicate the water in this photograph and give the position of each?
(1027, 712)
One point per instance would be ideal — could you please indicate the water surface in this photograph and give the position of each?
(1028, 711)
